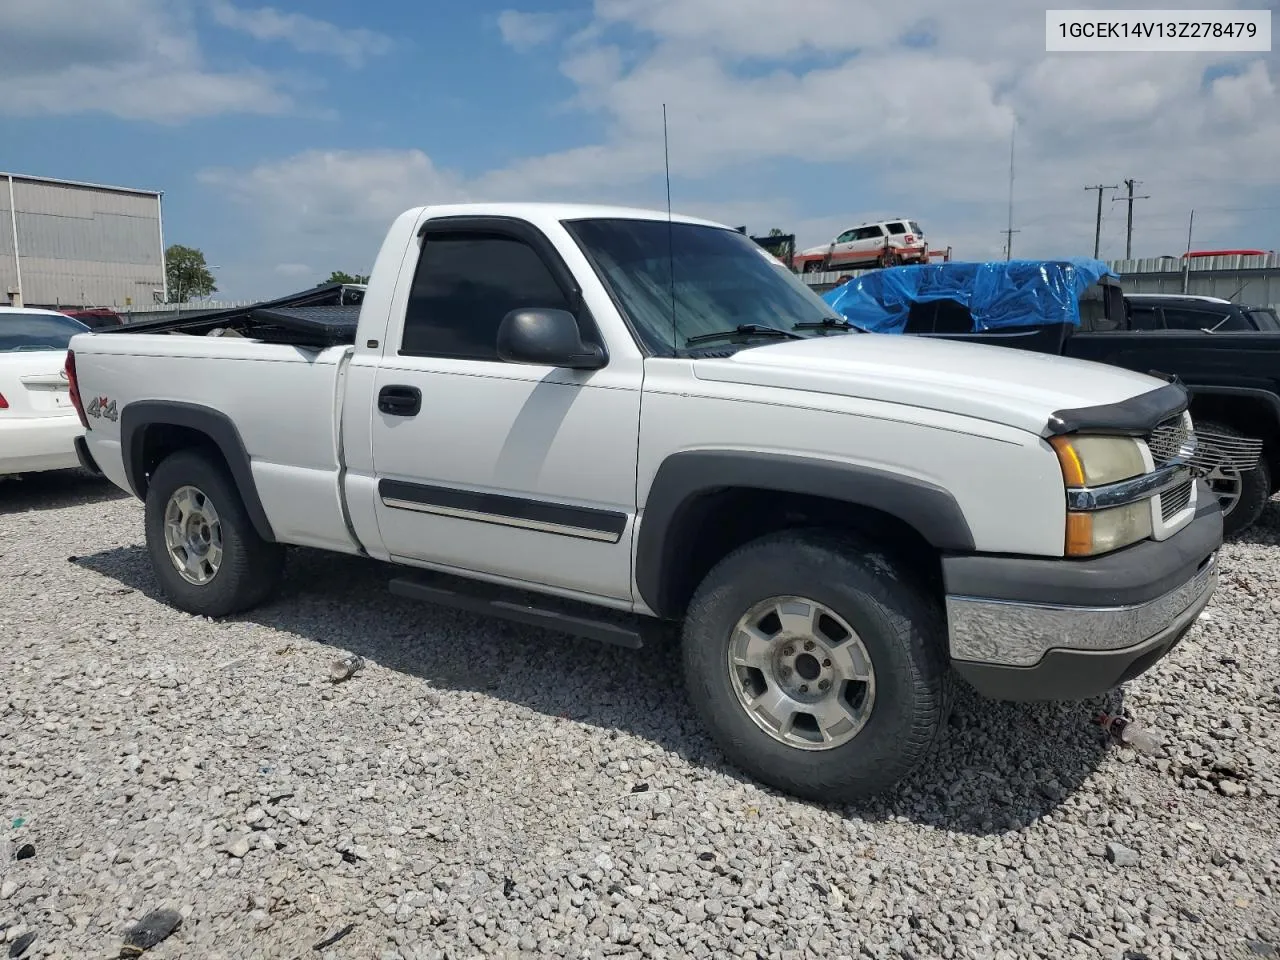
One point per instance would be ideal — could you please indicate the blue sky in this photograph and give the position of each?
(287, 136)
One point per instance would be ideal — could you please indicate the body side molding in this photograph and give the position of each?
(590, 523)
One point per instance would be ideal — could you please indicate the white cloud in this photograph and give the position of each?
(524, 31)
(305, 34)
(1244, 97)
(134, 59)
(326, 207)
(328, 190)
(764, 96)
(144, 91)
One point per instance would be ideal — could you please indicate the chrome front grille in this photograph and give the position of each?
(1170, 440)
(1203, 450)
(1240, 453)
(1173, 502)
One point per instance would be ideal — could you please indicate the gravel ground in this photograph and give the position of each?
(484, 790)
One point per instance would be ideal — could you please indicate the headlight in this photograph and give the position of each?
(1095, 462)
(1090, 533)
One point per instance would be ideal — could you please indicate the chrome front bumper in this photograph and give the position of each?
(1020, 634)
(1026, 628)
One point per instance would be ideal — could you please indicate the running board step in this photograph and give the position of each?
(550, 613)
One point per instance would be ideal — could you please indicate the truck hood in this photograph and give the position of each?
(1000, 384)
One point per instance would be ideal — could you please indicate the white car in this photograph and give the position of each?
(881, 244)
(38, 423)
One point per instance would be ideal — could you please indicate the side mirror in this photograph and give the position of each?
(546, 337)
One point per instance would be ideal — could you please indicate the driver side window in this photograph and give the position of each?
(464, 285)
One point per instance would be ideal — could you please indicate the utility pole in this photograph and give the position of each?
(1097, 230)
(1128, 231)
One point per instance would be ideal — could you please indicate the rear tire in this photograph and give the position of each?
(204, 549)
(879, 646)
(1243, 495)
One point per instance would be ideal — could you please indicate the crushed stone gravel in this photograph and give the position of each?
(484, 790)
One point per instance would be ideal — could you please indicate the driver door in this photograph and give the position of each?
(517, 471)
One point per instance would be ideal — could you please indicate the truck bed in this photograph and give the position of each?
(265, 373)
(321, 317)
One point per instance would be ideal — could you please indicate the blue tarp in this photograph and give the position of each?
(1003, 293)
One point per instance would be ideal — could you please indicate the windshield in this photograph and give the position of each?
(723, 281)
(1265, 319)
(37, 331)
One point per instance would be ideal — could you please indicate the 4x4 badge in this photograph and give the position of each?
(102, 407)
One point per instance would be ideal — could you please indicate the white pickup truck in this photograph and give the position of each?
(605, 420)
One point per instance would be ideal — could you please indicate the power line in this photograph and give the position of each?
(1097, 230)
(1062, 212)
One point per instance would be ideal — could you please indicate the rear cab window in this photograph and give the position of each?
(1144, 318)
(897, 228)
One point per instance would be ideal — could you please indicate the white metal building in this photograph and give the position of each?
(64, 243)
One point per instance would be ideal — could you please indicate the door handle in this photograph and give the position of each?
(399, 400)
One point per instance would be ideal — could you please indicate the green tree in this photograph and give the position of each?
(785, 251)
(340, 276)
(187, 273)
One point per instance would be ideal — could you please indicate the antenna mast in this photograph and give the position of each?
(671, 252)
(1186, 259)
(1009, 231)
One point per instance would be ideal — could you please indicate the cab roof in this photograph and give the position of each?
(543, 212)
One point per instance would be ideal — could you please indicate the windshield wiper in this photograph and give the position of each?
(828, 323)
(743, 330)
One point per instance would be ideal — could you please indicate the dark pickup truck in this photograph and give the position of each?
(1227, 355)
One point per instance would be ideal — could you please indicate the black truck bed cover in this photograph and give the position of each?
(324, 316)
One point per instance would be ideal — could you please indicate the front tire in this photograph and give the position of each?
(204, 549)
(818, 665)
